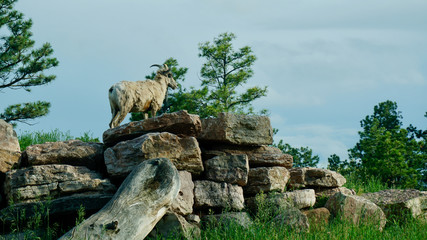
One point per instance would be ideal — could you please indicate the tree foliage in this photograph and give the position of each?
(22, 65)
(223, 72)
(386, 150)
(303, 156)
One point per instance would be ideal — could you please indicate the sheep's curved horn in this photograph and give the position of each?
(156, 65)
(166, 67)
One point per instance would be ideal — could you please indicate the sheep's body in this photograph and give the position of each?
(139, 96)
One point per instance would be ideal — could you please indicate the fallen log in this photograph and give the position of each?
(140, 202)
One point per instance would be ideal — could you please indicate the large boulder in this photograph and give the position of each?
(139, 203)
(183, 203)
(209, 194)
(71, 152)
(292, 218)
(179, 123)
(356, 209)
(315, 177)
(266, 179)
(8, 138)
(174, 226)
(299, 198)
(400, 203)
(232, 169)
(124, 156)
(53, 181)
(329, 192)
(317, 216)
(237, 129)
(225, 219)
(258, 156)
(8, 160)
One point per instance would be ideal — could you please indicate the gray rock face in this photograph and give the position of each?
(299, 198)
(397, 203)
(356, 209)
(124, 156)
(208, 194)
(317, 216)
(8, 138)
(8, 160)
(232, 169)
(183, 203)
(72, 152)
(139, 203)
(240, 218)
(237, 129)
(36, 182)
(173, 225)
(293, 218)
(315, 177)
(258, 156)
(329, 192)
(179, 123)
(266, 179)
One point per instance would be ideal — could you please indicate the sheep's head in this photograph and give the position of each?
(167, 74)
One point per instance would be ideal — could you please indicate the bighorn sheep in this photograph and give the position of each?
(140, 96)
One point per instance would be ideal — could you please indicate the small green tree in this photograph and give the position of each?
(21, 65)
(388, 151)
(223, 72)
(303, 156)
(334, 162)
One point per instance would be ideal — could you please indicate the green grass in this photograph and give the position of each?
(38, 137)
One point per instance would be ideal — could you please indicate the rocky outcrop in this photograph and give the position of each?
(53, 181)
(258, 156)
(183, 203)
(315, 177)
(139, 203)
(356, 209)
(209, 194)
(237, 129)
(185, 153)
(299, 198)
(317, 216)
(240, 218)
(174, 226)
(400, 203)
(8, 138)
(266, 179)
(329, 192)
(232, 169)
(71, 152)
(179, 123)
(8, 160)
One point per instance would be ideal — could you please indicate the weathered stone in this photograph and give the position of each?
(232, 169)
(258, 156)
(8, 160)
(208, 194)
(266, 179)
(8, 138)
(139, 203)
(124, 156)
(32, 183)
(317, 216)
(237, 129)
(180, 123)
(399, 203)
(240, 218)
(299, 198)
(356, 209)
(328, 192)
(193, 218)
(292, 218)
(173, 226)
(315, 177)
(183, 203)
(71, 152)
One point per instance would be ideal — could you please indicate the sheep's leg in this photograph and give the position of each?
(153, 113)
(114, 115)
(145, 115)
(120, 117)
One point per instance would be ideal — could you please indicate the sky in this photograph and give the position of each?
(326, 63)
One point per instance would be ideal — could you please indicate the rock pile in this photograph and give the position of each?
(222, 164)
